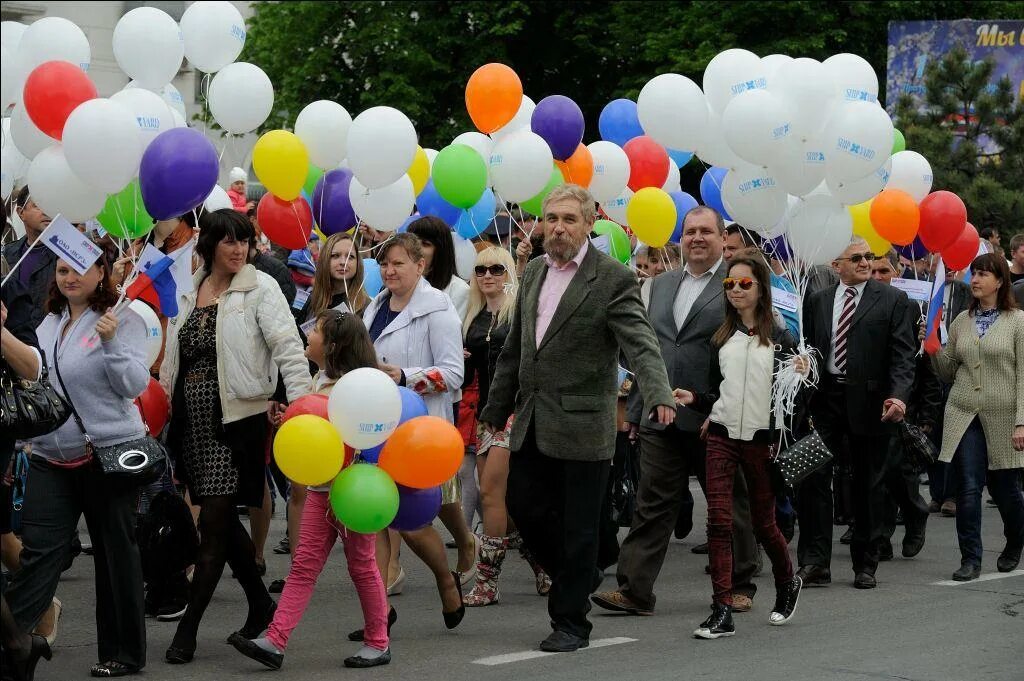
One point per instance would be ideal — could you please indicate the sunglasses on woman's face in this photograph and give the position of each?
(743, 282)
(495, 270)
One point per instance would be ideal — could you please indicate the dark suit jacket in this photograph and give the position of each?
(881, 350)
(567, 387)
(1018, 293)
(960, 299)
(44, 272)
(687, 352)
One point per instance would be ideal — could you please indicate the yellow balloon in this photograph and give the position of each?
(419, 171)
(281, 163)
(651, 215)
(862, 227)
(308, 449)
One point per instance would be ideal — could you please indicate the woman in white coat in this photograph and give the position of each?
(231, 337)
(418, 337)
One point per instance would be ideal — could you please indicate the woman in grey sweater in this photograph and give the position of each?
(102, 361)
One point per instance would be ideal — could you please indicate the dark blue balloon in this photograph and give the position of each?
(711, 189)
(559, 121)
(416, 508)
(778, 248)
(914, 250)
(476, 219)
(684, 203)
(619, 122)
(332, 208)
(429, 202)
(178, 171)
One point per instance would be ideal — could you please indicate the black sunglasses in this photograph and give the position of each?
(495, 270)
(860, 256)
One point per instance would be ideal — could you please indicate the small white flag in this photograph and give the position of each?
(70, 245)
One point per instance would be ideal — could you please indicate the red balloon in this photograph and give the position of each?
(648, 163)
(943, 217)
(153, 407)
(52, 91)
(315, 404)
(964, 250)
(286, 223)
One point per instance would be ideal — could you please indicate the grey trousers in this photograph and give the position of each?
(55, 499)
(667, 459)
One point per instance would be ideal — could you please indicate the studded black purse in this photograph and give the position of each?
(800, 459)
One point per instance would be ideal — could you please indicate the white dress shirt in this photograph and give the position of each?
(837, 311)
(690, 288)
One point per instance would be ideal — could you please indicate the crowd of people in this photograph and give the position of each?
(562, 369)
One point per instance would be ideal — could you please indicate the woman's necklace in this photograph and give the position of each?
(215, 297)
(494, 318)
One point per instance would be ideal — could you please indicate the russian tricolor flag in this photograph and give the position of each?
(933, 337)
(161, 277)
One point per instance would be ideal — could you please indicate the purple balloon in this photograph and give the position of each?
(559, 121)
(684, 203)
(416, 508)
(619, 122)
(332, 209)
(778, 248)
(177, 173)
(914, 250)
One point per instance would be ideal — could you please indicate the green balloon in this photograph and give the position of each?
(124, 215)
(899, 143)
(459, 175)
(313, 175)
(536, 204)
(617, 238)
(364, 498)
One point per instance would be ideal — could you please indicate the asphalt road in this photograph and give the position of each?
(914, 626)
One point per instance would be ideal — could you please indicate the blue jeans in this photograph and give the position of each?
(971, 465)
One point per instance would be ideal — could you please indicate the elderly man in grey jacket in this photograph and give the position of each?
(558, 372)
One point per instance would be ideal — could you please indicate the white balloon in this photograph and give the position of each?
(323, 127)
(465, 256)
(217, 199)
(179, 120)
(756, 125)
(483, 144)
(672, 181)
(381, 146)
(519, 121)
(102, 144)
(56, 189)
(241, 97)
(810, 91)
(819, 230)
(168, 93)
(384, 208)
(911, 173)
(154, 332)
(520, 165)
(10, 34)
(214, 34)
(855, 79)
(713, 149)
(364, 407)
(857, 140)
(729, 73)
(800, 167)
(771, 64)
(673, 111)
(29, 139)
(753, 197)
(611, 170)
(431, 155)
(8, 77)
(860, 190)
(51, 39)
(616, 208)
(13, 163)
(148, 46)
(152, 115)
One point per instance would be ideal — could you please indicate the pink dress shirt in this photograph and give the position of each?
(554, 287)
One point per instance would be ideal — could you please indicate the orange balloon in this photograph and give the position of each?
(493, 95)
(895, 216)
(578, 168)
(422, 452)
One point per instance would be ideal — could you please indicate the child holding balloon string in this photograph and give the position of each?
(337, 344)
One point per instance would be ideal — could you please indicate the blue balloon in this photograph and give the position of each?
(680, 158)
(476, 219)
(619, 122)
(412, 406)
(711, 189)
(429, 202)
(416, 508)
(372, 281)
(684, 202)
(408, 221)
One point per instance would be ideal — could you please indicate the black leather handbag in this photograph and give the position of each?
(30, 408)
(624, 482)
(919, 451)
(800, 459)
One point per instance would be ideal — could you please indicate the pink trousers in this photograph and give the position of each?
(317, 535)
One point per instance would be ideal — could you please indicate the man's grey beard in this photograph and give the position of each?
(562, 250)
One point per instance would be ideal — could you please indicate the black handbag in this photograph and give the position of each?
(800, 459)
(30, 408)
(919, 451)
(624, 483)
(167, 537)
(133, 463)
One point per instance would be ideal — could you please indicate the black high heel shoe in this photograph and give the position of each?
(359, 634)
(179, 654)
(253, 631)
(26, 668)
(452, 619)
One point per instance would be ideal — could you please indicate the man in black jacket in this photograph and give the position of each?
(867, 345)
(39, 268)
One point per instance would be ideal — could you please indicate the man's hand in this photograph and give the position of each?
(523, 250)
(394, 372)
(1018, 438)
(664, 414)
(634, 431)
(704, 429)
(893, 410)
(683, 397)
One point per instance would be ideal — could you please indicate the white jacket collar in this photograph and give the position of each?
(245, 280)
(425, 299)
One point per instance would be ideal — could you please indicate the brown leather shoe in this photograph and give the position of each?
(948, 508)
(741, 603)
(617, 601)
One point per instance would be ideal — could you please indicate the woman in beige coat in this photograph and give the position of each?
(983, 433)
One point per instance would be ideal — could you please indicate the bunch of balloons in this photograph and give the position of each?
(384, 457)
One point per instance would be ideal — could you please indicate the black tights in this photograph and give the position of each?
(222, 539)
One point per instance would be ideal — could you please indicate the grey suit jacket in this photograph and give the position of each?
(686, 351)
(567, 388)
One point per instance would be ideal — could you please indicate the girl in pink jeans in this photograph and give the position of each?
(337, 344)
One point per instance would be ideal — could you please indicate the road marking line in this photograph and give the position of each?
(984, 578)
(531, 654)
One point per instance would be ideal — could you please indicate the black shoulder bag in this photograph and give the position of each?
(800, 459)
(30, 408)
